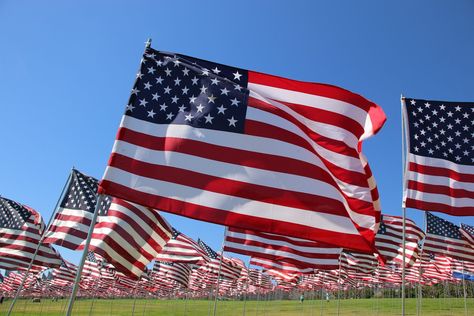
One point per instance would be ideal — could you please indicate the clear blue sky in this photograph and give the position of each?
(67, 67)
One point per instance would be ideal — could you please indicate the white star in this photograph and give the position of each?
(167, 90)
(458, 108)
(215, 81)
(237, 87)
(147, 85)
(177, 81)
(130, 107)
(224, 91)
(151, 70)
(192, 99)
(212, 98)
(159, 80)
(235, 102)
(163, 107)
(155, 96)
(412, 102)
(185, 90)
(143, 102)
(135, 91)
(216, 70)
(176, 62)
(174, 99)
(203, 89)
(169, 116)
(205, 72)
(209, 118)
(195, 80)
(450, 114)
(168, 72)
(237, 75)
(200, 107)
(151, 113)
(159, 63)
(221, 109)
(185, 71)
(232, 121)
(139, 75)
(188, 117)
(182, 108)
(427, 105)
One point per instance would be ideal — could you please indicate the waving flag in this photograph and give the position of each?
(248, 150)
(445, 238)
(181, 248)
(389, 240)
(229, 269)
(467, 232)
(21, 228)
(299, 252)
(440, 164)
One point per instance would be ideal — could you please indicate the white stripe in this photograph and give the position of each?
(440, 180)
(235, 204)
(441, 163)
(64, 236)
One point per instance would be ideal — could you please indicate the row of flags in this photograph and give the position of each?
(277, 161)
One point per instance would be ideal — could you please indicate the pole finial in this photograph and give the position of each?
(148, 43)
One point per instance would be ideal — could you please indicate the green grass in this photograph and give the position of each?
(365, 307)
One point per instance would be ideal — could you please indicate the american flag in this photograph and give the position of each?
(440, 172)
(445, 238)
(65, 274)
(129, 236)
(174, 271)
(228, 268)
(73, 217)
(389, 240)
(467, 232)
(300, 252)
(21, 228)
(249, 150)
(181, 248)
(358, 262)
(283, 266)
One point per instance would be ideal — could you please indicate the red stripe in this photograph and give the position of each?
(375, 112)
(439, 207)
(73, 218)
(441, 172)
(228, 218)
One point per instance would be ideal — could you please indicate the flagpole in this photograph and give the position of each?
(219, 273)
(402, 101)
(10, 309)
(100, 198)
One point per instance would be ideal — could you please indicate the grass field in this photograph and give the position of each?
(365, 307)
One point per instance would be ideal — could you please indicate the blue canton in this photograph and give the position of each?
(177, 89)
(81, 194)
(12, 214)
(469, 229)
(442, 130)
(211, 253)
(441, 227)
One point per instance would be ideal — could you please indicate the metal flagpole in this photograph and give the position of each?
(135, 296)
(23, 280)
(100, 198)
(339, 286)
(402, 101)
(219, 273)
(420, 273)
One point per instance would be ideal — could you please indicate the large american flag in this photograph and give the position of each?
(249, 150)
(440, 164)
(181, 248)
(129, 236)
(21, 228)
(73, 217)
(271, 264)
(389, 240)
(300, 252)
(444, 238)
(174, 271)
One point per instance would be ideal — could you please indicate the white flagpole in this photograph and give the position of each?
(404, 147)
(100, 198)
(23, 280)
(464, 288)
